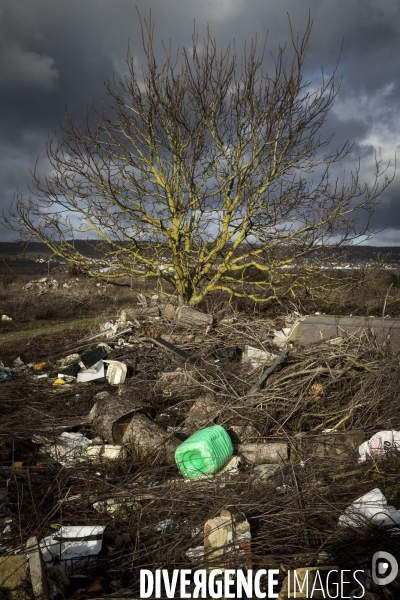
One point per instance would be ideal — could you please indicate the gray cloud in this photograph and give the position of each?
(55, 54)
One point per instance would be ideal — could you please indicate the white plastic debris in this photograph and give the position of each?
(257, 357)
(116, 372)
(95, 372)
(372, 507)
(68, 448)
(5, 318)
(18, 365)
(75, 547)
(280, 338)
(379, 444)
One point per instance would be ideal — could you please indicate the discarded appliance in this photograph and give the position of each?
(323, 327)
(74, 547)
(204, 452)
(372, 507)
(85, 361)
(92, 373)
(116, 372)
(227, 542)
(379, 444)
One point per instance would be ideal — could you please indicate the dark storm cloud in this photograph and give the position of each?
(55, 53)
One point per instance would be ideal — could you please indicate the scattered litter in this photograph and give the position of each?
(379, 444)
(265, 471)
(92, 373)
(5, 318)
(372, 507)
(40, 366)
(117, 508)
(74, 547)
(257, 357)
(227, 541)
(204, 452)
(116, 372)
(59, 381)
(167, 527)
(67, 448)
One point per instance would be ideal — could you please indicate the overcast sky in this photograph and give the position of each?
(55, 53)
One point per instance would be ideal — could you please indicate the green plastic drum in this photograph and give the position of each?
(204, 452)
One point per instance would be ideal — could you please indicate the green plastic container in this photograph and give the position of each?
(204, 452)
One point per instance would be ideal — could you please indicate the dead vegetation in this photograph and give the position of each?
(348, 387)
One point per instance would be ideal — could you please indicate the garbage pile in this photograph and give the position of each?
(167, 440)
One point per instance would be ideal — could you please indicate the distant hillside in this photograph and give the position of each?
(40, 250)
(31, 250)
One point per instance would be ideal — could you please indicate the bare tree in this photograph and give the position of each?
(202, 175)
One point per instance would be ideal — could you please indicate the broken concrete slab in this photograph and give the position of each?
(105, 452)
(242, 434)
(227, 542)
(328, 445)
(269, 452)
(14, 578)
(324, 327)
(37, 570)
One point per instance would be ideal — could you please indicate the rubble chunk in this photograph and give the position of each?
(14, 576)
(270, 452)
(227, 542)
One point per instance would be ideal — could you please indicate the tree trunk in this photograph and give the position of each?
(128, 314)
(190, 317)
(148, 439)
(111, 417)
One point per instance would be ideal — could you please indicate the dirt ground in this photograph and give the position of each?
(349, 390)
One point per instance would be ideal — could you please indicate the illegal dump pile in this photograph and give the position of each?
(172, 443)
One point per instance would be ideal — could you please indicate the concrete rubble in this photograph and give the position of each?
(115, 463)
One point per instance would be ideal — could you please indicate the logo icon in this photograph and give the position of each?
(384, 568)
